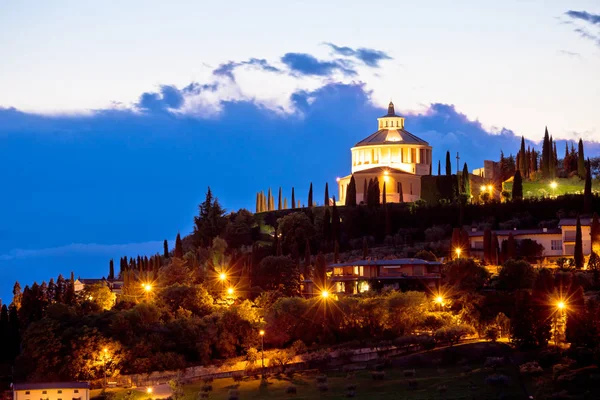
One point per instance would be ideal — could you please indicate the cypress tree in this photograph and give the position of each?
(336, 252)
(285, 204)
(293, 199)
(580, 161)
(578, 255)
(383, 196)
(70, 291)
(400, 194)
(554, 161)
(178, 247)
(310, 196)
(257, 208)
(299, 205)
(335, 222)
(517, 188)
(448, 164)
(279, 205)
(320, 276)
(351, 193)
(587, 192)
(326, 202)
(327, 226)
(465, 184)
(439, 167)
(111, 269)
(365, 248)
(546, 150)
(306, 258)
(495, 250)
(522, 160)
(511, 247)
(165, 249)
(487, 245)
(365, 192)
(595, 233)
(17, 295)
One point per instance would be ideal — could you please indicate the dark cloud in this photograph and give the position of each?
(306, 64)
(370, 57)
(169, 98)
(227, 69)
(584, 16)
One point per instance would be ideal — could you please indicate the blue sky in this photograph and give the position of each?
(115, 118)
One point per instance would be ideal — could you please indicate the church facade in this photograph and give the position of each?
(394, 156)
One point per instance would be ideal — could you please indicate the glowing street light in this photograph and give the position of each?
(262, 348)
(104, 357)
(230, 291)
(457, 251)
(439, 300)
(561, 305)
(147, 287)
(149, 390)
(553, 185)
(324, 294)
(483, 188)
(222, 276)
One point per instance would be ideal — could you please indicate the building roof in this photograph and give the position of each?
(51, 385)
(519, 232)
(573, 221)
(401, 136)
(386, 263)
(91, 281)
(381, 170)
(391, 112)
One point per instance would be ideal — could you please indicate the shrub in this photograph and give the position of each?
(492, 334)
(298, 347)
(322, 379)
(497, 380)
(350, 393)
(351, 386)
(531, 368)
(204, 395)
(237, 377)
(323, 387)
(291, 389)
(207, 388)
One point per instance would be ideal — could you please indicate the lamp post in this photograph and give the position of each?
(553, 185)
(104, 355)
(262, 351)
(440, 300)
(560, 308)
(457, 251)
(222, 278)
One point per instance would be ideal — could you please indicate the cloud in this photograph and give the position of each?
(589, 18)
(569, 53)
(306, 64)
(227, 69)
(169, 98)
(584, 16)
(369, 57)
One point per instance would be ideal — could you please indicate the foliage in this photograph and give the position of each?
(100, 295)
(278, 273)
(515, 275)
(465, 274)
(452, 334)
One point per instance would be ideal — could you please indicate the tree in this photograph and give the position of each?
(578, 255)
(487, 245)
(465, 274)
(293, 199)
(581, 167)
(111, 269)
(516, 275)
(295, 229)
(279, 273)
(517, 188)
(351, 193)
(178, 247)
(17, 295)
(595, 233)
(384, 195)
(365, 192)
(439, 167)
(327, 226)
(320, 275)
(522, 157)
(495, 250)
(587, 193)
(310, 196)
(448, 164)
(100, 295)
(335, 222)
(279, 205)
(546, 155)
(465, 184)
(210, 221)
(165, 249)
(326, 202)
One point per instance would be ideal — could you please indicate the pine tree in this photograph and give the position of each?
(165, 249)
(587, 192)
(279, 205)
(439, 168)
(70, 291)
(546, 151)
(517, 188)
(61, 288)
(351, 193)
(310, 196)
(580, 161)
(566, 159)
(578, 255)
(384, 195)
(178, 247)
(448, 164)
(111, 269)
(293, 199)
(553, 161)
(257, 202)
(326, 202)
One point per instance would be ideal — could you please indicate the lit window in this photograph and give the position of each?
(76, 391)
(44, 392)
(60, 391)
(27, 392)
(556, 245)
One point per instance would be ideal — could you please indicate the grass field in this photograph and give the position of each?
(543, 188)
(454, 382)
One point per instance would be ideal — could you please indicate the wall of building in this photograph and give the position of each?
(414, 159)
(411, 186)
(51, 394)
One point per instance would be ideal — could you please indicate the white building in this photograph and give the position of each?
(51, 391)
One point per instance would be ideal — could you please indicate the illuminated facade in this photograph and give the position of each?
(392, 155)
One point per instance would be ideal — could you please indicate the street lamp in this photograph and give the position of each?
(222, 276)
(262, 348)
(324, 294)
(230, 291)
(457, 251)
(553, 185)
(147, 287)
(561, 306)
(149, 390)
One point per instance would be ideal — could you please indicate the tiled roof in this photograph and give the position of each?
(51, 385)
(573, 222)
(396, 262)
(380, 137)
(519, 232)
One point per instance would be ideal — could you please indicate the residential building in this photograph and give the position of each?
(115, 285)
(51, 391)
(404, 273)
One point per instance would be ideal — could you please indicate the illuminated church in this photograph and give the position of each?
(392, 155)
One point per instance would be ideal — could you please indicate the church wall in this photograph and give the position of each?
(411, 186)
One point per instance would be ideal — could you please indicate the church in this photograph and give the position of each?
(392, 155)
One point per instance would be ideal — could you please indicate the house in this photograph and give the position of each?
(115, 285)
(557, 242)
(51, 391)
(404, 273)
